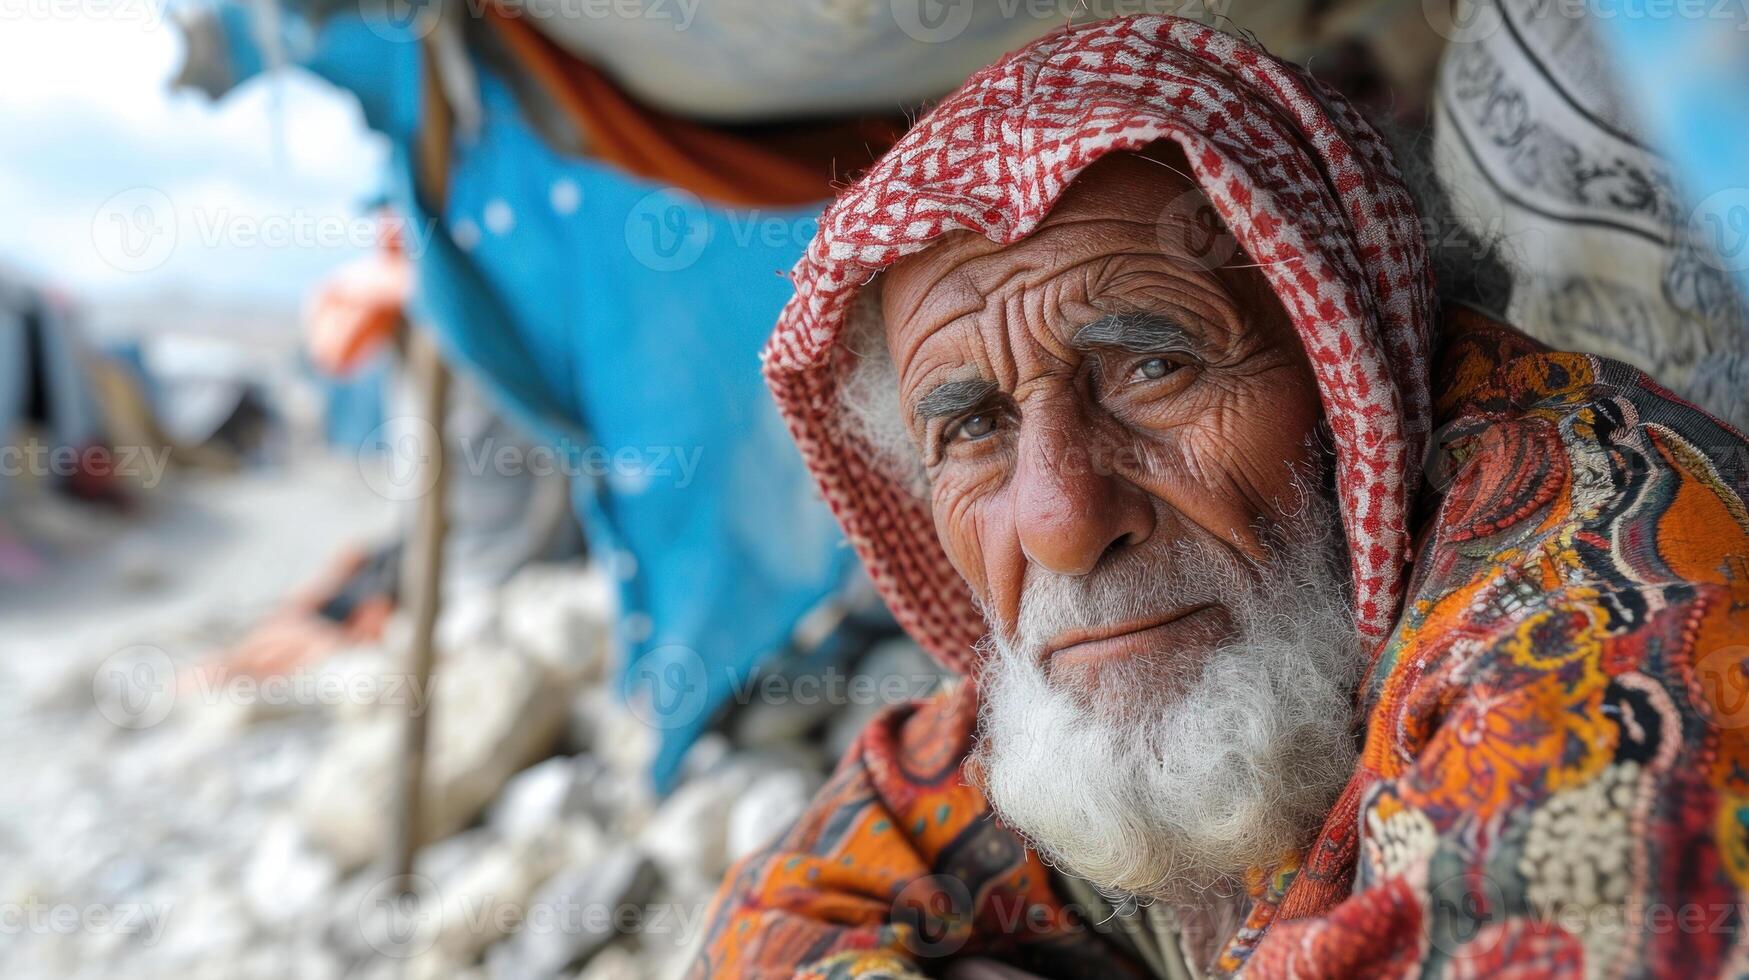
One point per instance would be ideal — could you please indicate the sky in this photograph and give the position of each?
(113, 186)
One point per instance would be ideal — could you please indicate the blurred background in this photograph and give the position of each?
(402, 569)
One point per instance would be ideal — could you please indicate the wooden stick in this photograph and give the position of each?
(421, 589)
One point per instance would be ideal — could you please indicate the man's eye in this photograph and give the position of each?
(1152, 369)
(974, 426)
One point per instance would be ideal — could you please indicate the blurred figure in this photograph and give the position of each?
(498, 520)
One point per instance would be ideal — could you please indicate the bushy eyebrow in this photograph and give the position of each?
(951, 398)
(1138, 333)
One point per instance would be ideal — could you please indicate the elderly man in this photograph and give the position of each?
(1313, 624)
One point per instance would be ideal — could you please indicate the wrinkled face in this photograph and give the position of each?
(1115, 421)
(1103, 391)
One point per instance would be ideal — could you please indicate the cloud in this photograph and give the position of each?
(83, 92)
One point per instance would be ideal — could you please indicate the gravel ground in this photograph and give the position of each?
(167, 822)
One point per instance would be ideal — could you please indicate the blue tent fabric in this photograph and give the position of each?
(352, 407)
(620, 321)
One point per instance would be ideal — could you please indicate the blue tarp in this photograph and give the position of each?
(621, 322)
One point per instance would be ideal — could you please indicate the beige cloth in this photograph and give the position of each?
(1540, 152)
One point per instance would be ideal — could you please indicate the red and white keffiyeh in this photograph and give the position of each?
(1306, 186)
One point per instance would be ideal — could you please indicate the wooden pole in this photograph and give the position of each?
(422, 561)
(421, 590)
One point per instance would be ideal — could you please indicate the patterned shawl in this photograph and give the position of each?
(1554, 779)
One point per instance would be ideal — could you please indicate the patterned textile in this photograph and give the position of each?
(1555, 779)
(897, 857)
(1305, 185)
(1555, 776)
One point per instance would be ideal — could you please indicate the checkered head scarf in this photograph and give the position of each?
(1304, 184)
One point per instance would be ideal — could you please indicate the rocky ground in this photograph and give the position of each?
(166, 820)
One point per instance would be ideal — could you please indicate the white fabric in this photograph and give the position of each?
(1539, 151)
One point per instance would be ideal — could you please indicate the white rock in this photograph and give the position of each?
(485, 901)
(537, 797)
(689, 833)
(774, 717)
(623, 742)
(615, 802)
(434, 965)
(205, 921)
(348, 798)
(576, 913)
(560, 790)
(768, 807)
(614, 963)
(48, 684)
(303, 961)
(442, 859)
(369, 680)
(489, 897)
(583, 719)
(562, 616)
(470, 618)
(709, 753)
(285, 879)
(491, 715)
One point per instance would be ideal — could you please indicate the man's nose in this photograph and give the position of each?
(1072, 503)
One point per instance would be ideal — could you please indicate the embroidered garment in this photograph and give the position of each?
(1554, 777)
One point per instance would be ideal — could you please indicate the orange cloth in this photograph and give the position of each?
(1555, 776)
(778, 165)
(357, 311)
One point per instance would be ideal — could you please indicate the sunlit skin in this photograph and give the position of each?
(1085, 445)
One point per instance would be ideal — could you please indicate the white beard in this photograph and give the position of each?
(1174, 775)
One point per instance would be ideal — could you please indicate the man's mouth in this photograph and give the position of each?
(1091, 647)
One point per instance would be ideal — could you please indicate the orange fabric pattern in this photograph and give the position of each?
(898, 860)
(1555, 771)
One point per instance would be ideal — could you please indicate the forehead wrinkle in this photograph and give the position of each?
(974, 331)
(913, 299)
(1044, 324)
(990, 285)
